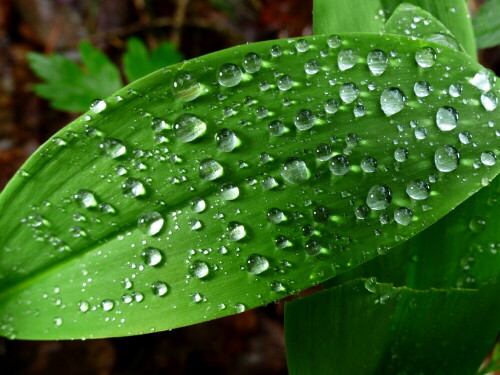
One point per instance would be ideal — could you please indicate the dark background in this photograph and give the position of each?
(248, 343)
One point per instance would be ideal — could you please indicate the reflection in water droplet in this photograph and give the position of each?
(446, 118)
(210, 170)
(418, 189)
(379, 197)
(295, 171)
(185, 86)
(256, 264)
(392, 101)
(252, 62)
(347, 59)
(229, 75)
(150, 223)
(426, 57)
(152, 256)
(403, 215)
(446, 158)
(377, 62)
(188, 127)
(112, 148)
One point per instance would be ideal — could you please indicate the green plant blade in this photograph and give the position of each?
(76, 251)
(67, 86)
(487, 24)
(367, 328)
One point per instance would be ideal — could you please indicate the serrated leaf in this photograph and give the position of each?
(139, 62)
(393, 330)
(67, 86)
(487, 24)
(267, 225)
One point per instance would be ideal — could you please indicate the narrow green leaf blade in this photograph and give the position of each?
(367, 328)
(487, 24)
(269, 225)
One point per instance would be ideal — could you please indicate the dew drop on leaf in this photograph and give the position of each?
(465, 137)
(379, 197)
(295, 171)
(484, 80)
(276, 128)
(304, 119)
(323, 152)
(86, 198)
(133, 188)
(418, 189)
(446, 158)
(276, 216)
(236, 231)
(239, 308)
(229, 192)
(348, 92)
(425, 57)
(334, 41)
(112, 148)
(97, 106)
(226, 140)
(377, 62)
(84, 306)
(188, 127)
(302, 45)
(489, 101)
(257, 264)
(403, 216)
(198, 205)
(401, 154)
(185, 86)
(392, 101)
(229, 75)
(285, 82)
(422, 89)
(210, 170)
(331, 106)
(199, 269)
(313, 248)
(150, 223)
(347, 59)
(159, 288)
(252, 62)
(312, 67)
(369, 164)
(446, 118)
(152, 256)
(488, 158)
(107, 305)
(339, 165)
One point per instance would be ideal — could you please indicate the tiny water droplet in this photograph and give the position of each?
(84, 306)
(107, 305)
(159, 288)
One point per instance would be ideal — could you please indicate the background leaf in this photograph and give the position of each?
(67, 86)
(76, 263)
(487, 24)
(362, 327)
(139, 62)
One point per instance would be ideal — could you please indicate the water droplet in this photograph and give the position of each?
(392, 101)
(188, 127)
(285, 82)
(484, 80)
(379, 197)
(86, 198)
(339, 165)
(278, 287)
(446, 118)
(58, 321)
(313, 248)
(150, 223)
(361, 212)
(152, 256)
(331, 106)
(276, 216)
(465, 137)
(107, 305)
(239, 308)
(276, 128)
(323, 152)
(348, 92)
(302, 45)
(276, 51)
(304, 119)
(369, 165)
(371, 285)
(256, 264)
(426, 57)
(159, 288)
(133, 188)
(401, 154)
(418, 189)
(377, 62)
(236, 231)
(197, 298)
(226, 140)
(359, 110)
(489, 101)
(422, 89)
(347, 59)
(185, 86)
(97, 106)
(282, 242)
(127, 283)
(334, 41)
(229, 192)
(295, 171)
(112, 148)
(84, 306)
(488, 158)
(420, 133)
(199, 269)
(312, 66)
(198, 205)
(252, 62)
(403, 215)
(210, 170)
(321, 214)
(446, 158)
(455, 90)
(229, 75)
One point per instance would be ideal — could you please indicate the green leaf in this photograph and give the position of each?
(487, 24)
(67, 86)
(292, 223)
(367, 328)
(138, 62)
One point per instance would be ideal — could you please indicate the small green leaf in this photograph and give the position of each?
(487, 24)
(67, 86)
(234, 179)
(139, 62)
(367, 328)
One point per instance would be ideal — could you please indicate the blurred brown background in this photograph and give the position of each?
(249, 343)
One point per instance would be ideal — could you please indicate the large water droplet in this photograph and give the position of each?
(426, 57)
(446, 118)
(334, 41)
(229, 75)
(488, 158)
(295, 171)
(379, 197)
(210, 170)
(489, 101)
(107, 305)
(133, 188)
(86, 198)
(392, 101)
(418, 189)
(377, 62)
(304, 119)
(185, 86)
(331, 106)
(229, 192)
(152, 256)
(347, 59)
(252, 62)
(159, 288)
(446, 158)
(348, 92)
(285, 82)
(236, 231)
(403, 215)
(226, 140)
(339, 165)
(312, 66)
(199, 269)
(112, 148)
(484, 80)
(257, 264)
(401, 154)
(98, 105)
(188, 127)
(150, 223)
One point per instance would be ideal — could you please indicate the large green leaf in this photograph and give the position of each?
(367, 328)
(72, 240)
(487, 24)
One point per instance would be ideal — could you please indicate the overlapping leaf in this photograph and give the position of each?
(249, 174)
